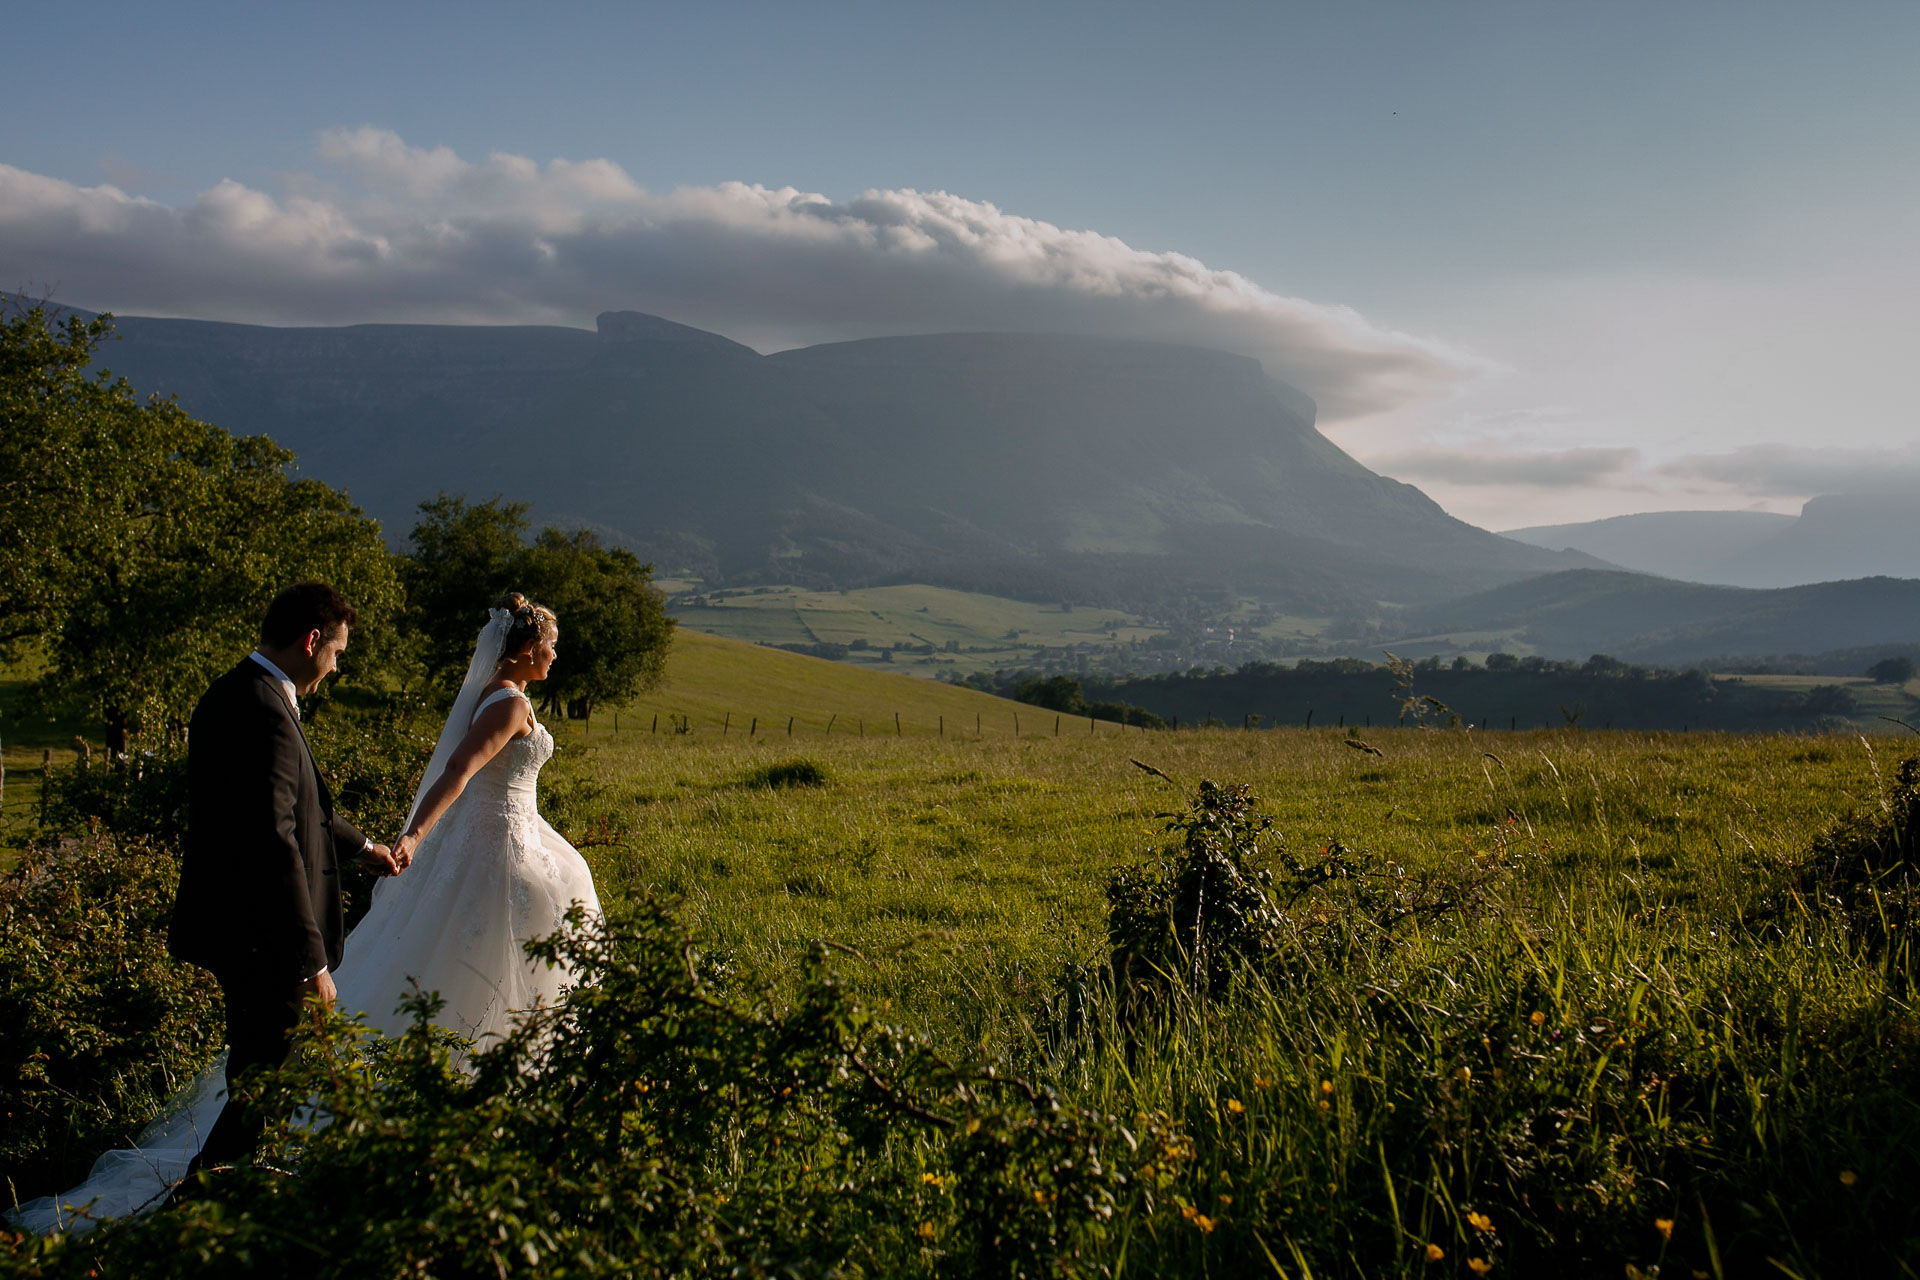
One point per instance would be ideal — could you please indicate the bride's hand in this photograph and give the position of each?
(403, 851)
(380, 860)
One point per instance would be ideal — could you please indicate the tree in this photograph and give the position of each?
(614, 627)
(462, 557)
(1893, 671)
(1055, 693)
(145, 543)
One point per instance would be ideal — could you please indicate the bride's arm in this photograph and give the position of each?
(495, 728)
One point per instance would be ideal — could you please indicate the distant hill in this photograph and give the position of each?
(1673, 544)
(1034, 466)
(1656, 620)
(715, 685)
(1835, 537)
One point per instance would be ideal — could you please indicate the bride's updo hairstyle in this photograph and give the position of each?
(531, 623)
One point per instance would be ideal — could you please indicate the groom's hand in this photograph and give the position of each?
(380, 860)
(321, 984)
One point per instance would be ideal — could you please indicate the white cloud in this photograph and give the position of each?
(422, 234)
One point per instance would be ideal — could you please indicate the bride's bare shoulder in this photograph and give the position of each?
(518, 709)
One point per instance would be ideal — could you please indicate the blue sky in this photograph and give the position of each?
(1603, 257)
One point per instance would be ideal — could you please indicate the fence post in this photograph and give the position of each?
(976, 724)
(726, 724)
(789, 726)
(754, 727)
(1056, 726)
(86, 753)
(1309, 717)
(943, 726)
(863, 726)
(1090, 728)
(46, 781)
(1016, 724)
(896, 724)
(831, 719)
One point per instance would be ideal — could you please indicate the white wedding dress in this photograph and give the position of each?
(489, 877)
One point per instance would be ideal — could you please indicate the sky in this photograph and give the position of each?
(1550, 262)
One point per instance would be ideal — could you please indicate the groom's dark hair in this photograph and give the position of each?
(304, 607)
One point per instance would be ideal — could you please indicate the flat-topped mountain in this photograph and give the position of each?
(1036, 465)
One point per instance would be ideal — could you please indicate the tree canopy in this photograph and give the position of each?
(614, 627)
(1896, 670)
(140, 546)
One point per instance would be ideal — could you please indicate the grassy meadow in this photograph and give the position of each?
(1630, 1025)
(1573, 1005)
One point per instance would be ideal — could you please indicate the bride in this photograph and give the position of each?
(487, 875)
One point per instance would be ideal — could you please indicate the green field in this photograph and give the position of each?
(1535, 1002)
(968, 631)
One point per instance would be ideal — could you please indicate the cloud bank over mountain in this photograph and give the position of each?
(395, 232)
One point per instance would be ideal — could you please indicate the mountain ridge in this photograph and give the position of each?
(1035, 465)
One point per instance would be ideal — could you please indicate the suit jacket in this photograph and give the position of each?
(259, 900)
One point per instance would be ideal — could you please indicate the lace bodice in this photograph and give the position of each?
(512, 777)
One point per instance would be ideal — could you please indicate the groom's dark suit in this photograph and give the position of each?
(259, 900)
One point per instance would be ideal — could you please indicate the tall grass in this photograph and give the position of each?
(1638, 1048)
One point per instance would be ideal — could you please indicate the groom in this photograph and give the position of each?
(259, 898)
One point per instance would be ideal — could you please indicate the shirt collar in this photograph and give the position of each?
(286, 682)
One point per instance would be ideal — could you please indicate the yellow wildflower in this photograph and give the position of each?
(1234, 1105)
(1325, 1105)
(1479, 1266)
(933, 1180)
(1326, 1086)
(926, 1231)
(1848, 1177)
(1480, 1222)
(1665, 1227)
(1261, 1082)
(1435, 1253)
(1537, 1017)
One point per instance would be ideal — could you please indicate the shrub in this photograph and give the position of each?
(1199, 906)
(101, 1025)
(654, 1125)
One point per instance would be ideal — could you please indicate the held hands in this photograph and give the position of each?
(403, 850)
(383, 861)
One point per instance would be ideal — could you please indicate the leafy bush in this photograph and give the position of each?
(1199, 908)
(101, 1025)
(655, 1125)
(142, 795)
